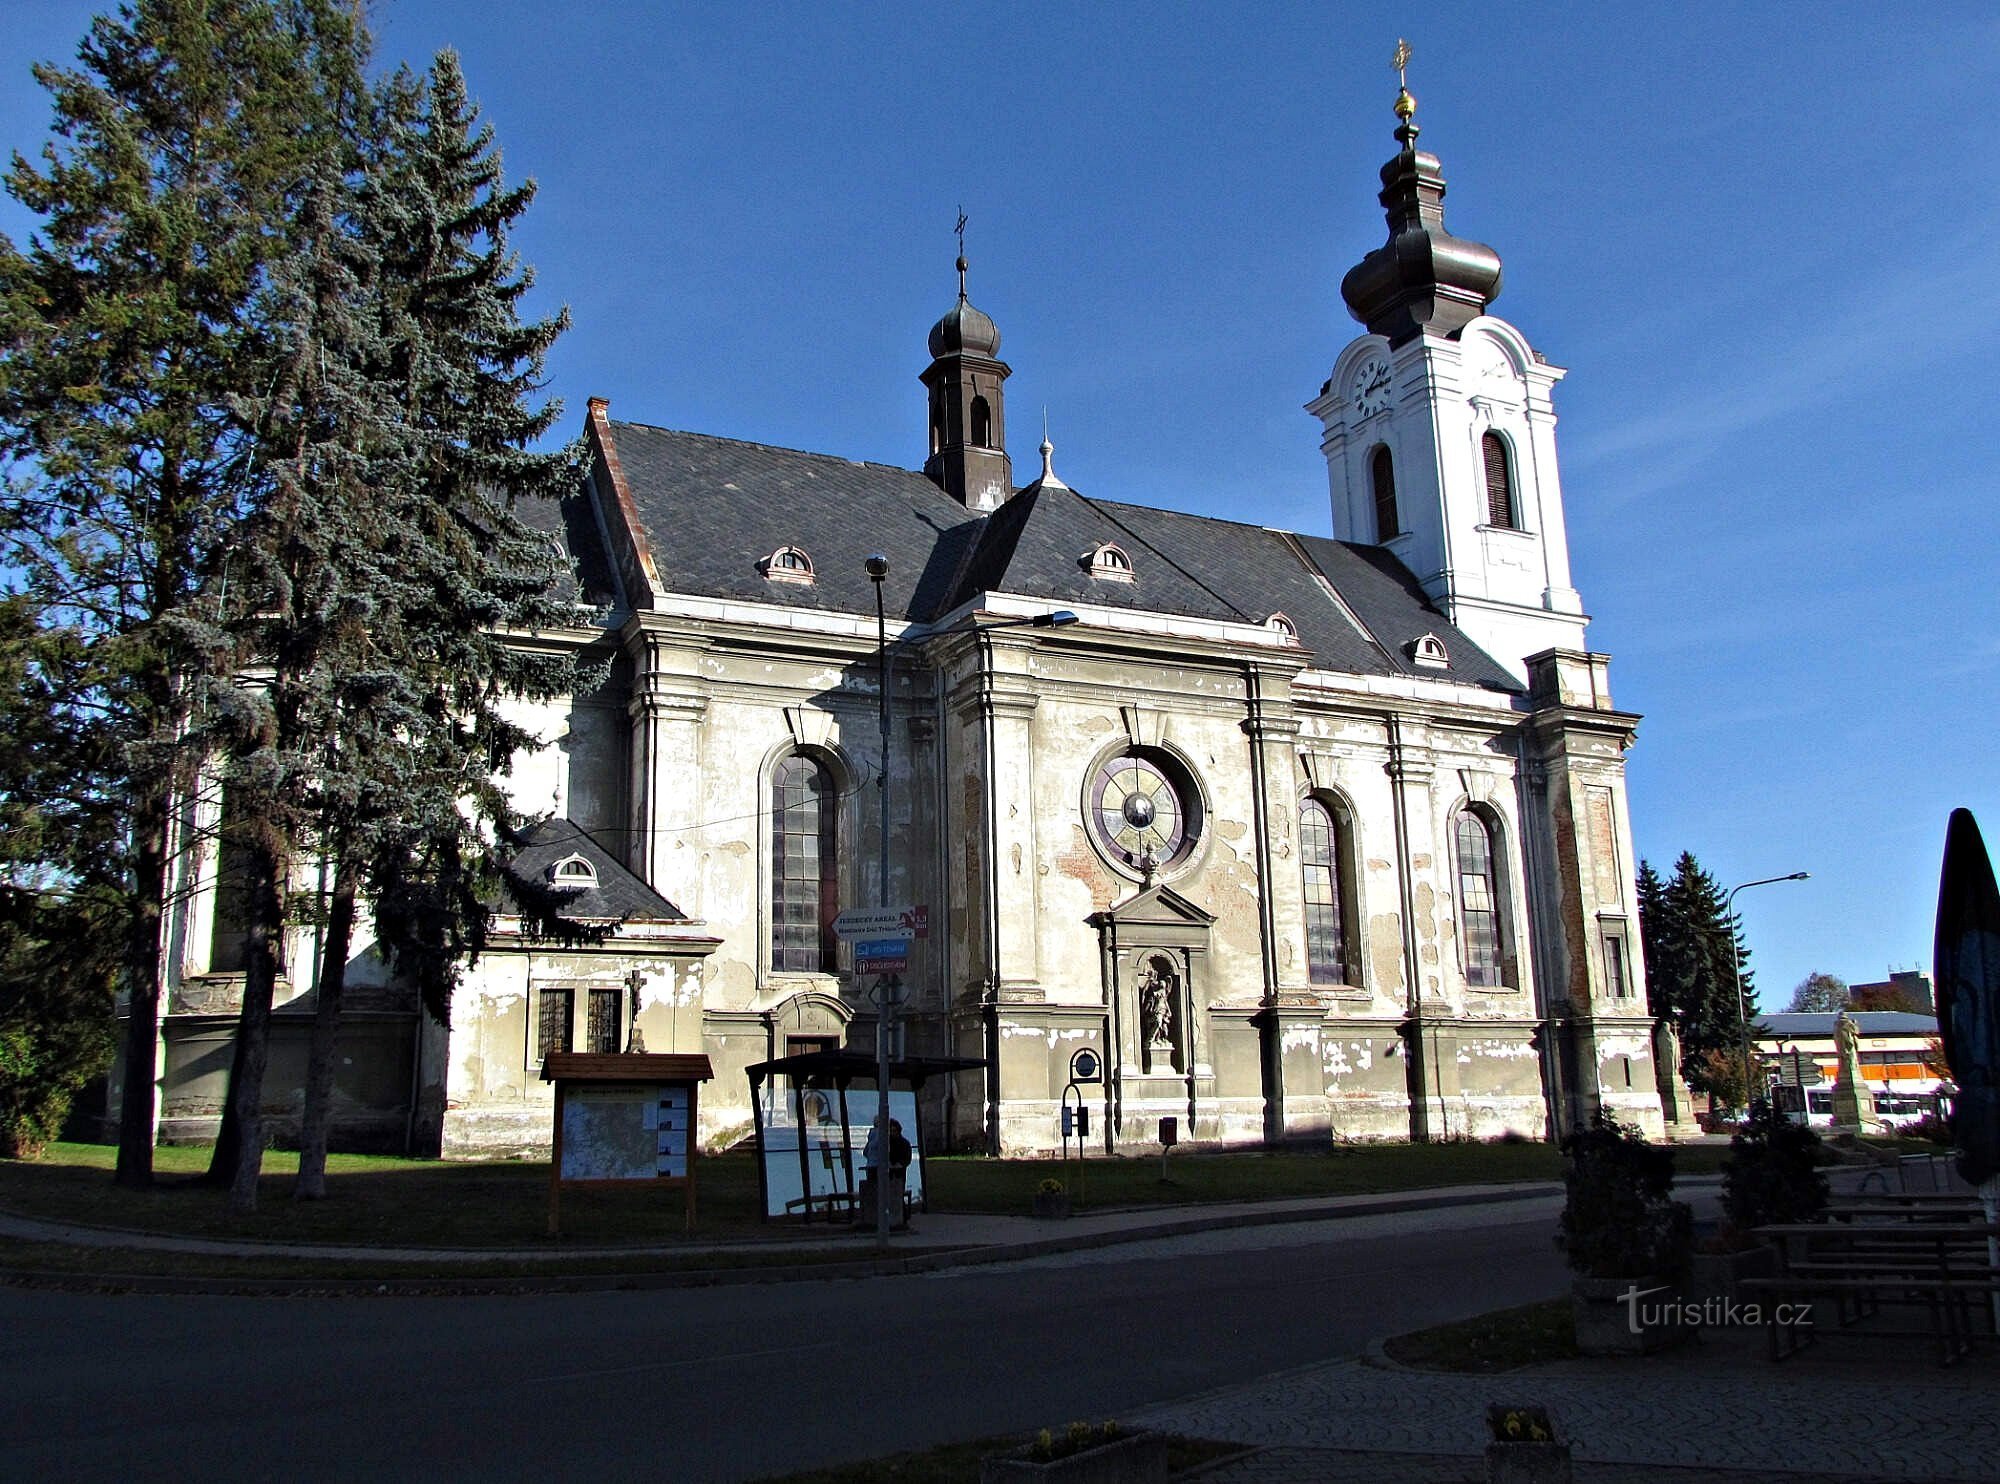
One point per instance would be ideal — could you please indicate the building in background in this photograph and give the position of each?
(1310, 836)
(1901, 1063)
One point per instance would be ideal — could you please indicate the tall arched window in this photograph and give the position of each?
(1326, 914)
(982, 423)
(804, 881)
(1479, 902)
(1382, 469)
(1499, 480)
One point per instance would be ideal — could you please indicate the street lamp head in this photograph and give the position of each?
(1062, 618)
(877, 566)
(1800, 876)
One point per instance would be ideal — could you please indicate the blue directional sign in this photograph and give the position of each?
(882, 956)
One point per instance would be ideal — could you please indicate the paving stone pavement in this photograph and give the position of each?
(1429, 1426)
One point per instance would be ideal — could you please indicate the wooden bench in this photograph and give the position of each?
(1861, 1265)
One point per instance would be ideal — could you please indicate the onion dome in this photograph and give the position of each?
(964, 327)
(1423, 279)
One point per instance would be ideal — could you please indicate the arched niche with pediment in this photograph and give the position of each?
(1154, 952)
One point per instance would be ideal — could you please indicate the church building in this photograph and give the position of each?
(1309, 836)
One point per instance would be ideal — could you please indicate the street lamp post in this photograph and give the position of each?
(1736, 967)
(885, 985)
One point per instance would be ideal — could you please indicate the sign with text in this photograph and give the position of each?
(882, 956)
(874, 922)
(884, 922)
(623, 1117)
(617, 1131)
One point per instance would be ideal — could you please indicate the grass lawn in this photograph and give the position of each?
(385, 1201)
(1533, 1334)
(958, 1463)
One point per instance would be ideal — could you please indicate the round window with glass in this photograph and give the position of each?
(1142, 805)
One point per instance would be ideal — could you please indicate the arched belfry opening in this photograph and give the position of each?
(968, 428)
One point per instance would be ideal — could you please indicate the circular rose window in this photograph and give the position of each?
(1143, 803)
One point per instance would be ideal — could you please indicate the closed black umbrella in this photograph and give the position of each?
(1966, 959)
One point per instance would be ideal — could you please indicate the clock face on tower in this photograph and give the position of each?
(1371, 386)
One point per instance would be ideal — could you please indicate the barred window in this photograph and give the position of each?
(552, 1031)
(1499, 480)
(804, 883)
(1382, 469)
(602, 1023)
(1478, 901)
(1326, 929)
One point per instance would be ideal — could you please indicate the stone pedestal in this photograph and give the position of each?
(1676, 1103)
(1853, 1104)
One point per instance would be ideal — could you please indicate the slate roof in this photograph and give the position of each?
(573, 522)
(619, 895)
(712, 508)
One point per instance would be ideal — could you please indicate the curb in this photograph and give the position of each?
(916, 1263)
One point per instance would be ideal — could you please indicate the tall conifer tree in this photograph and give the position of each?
(420, 819)
(170, 188)
(1690, 968)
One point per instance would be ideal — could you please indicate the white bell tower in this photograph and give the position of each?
(1439, 428)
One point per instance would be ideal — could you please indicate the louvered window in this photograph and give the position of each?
(1478, 901)
(1499, 480)
(803, 881)
(1326, 928)
(1382, 469)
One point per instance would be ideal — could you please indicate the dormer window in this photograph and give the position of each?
(787, 564)
(1283, 627)
(1428, 651)
(573, 870)
(1109, 563)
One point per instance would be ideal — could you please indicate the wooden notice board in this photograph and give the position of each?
(623, 1119)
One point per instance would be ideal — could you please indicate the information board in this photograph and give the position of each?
(624, 1131)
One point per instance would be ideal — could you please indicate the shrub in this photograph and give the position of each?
(1619, 1217)
(56, 1030)
(1771, 1175)
(1934, 1127)
(1049, 1186)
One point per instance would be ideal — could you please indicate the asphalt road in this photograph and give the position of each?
(721, 1383)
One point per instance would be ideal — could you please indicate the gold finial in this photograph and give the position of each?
(1406, 106)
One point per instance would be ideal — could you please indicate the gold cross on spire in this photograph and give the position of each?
(1406, 106)
(1400, 61)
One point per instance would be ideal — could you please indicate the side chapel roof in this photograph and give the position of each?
(617, 894)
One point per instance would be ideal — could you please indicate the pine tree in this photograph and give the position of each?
(167, 193)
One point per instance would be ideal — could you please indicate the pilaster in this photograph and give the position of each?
(666, 710)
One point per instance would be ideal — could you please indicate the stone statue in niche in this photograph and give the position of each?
(1159, 995)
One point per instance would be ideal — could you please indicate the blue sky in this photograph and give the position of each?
(1761, 237)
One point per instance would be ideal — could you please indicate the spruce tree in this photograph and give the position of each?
(419, 822)
(1690, 967)
(168, 191)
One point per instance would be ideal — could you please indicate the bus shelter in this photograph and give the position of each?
(813, 1123)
